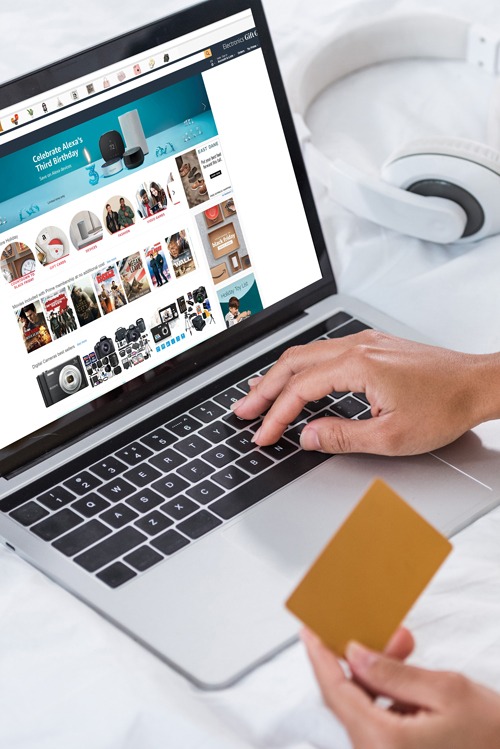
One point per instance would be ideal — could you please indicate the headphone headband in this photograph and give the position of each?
(448, 197)
(388, 39)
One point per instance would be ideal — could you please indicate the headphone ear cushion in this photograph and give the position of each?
(462, 171)
(443, 146)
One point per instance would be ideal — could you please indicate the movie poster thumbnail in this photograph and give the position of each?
(84, 301)
(59, 313)
(134, 276)
(33, 326)
(109, 288)
(240, 300)
(181, 254)
(157, 265)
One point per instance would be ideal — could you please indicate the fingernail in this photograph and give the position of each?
(238, 403)
(309, 439)
(359, 656)
(256, 435)
(253, 381)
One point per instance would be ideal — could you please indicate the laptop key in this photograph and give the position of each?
(318, 405)
(354, 326)
(56, 498)
(158, 440)
(191, 447)
(142, 475)
(220, 456)
(230, 477)
(199, 524)
(365, 415)
(106, 551)
(154, 523)
(264, 484)
(255, 462)
(348, 407)
(29, 513)
(119, 515)
(242, 442)
(90, 505)
(116, 490)
(144, 501)
(338, 319)
(281, 449)
(169, 542)
(228, 397)
(207, 412)
(117, 574)
(168, 460)
(293, 433)
(79, 539)
(170, 485)
(179, 508)
(134, 453)
(217, 432)
(82, 483)
(183, 425)
(205, 492)
(195, 470)
(57, 524)
(143, 558)
(236, 423)
(108, 468)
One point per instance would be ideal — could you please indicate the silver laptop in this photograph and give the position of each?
(159, 245)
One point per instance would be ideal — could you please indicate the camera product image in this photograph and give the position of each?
(160, 332)
(62, 381)
(102, 363)
(133, 344)
(197, 310)
(168, 313)
(199, 295)
(104, 347)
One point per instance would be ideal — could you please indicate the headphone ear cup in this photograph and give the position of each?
(462, 171)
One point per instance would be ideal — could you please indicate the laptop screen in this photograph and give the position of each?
(149, 213)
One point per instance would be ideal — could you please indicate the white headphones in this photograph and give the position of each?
(437, 189)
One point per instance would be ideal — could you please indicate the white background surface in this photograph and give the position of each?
(68, 679)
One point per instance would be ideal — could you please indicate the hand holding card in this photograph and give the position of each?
(371, 572)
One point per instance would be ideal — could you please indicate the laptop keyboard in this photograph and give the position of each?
(142, 503)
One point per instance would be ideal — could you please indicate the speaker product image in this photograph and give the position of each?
(439, 189)
(133, 157)
(133, 133)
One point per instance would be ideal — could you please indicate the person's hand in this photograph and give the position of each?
(433, 709)
(422, 397)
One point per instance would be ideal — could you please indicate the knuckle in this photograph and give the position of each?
(290, 356)
(333, 437)
(457, 685)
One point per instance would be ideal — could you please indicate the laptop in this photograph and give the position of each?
(159, 246)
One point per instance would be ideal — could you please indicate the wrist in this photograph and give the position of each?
(485, 387)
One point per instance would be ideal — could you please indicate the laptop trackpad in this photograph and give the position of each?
(289, 529)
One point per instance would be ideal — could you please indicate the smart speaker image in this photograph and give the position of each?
(133, 133)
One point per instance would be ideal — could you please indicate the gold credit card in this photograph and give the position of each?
(370, 573)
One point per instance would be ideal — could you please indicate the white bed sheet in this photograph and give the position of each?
(69, 679)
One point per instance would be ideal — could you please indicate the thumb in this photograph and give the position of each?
(335, 435)
(392, 678)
